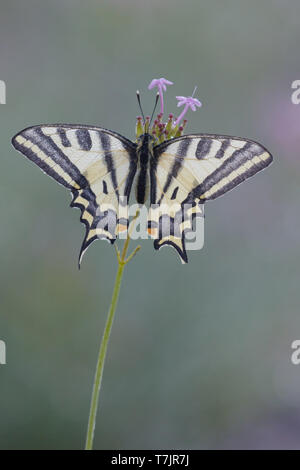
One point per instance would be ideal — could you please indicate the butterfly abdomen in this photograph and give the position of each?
(144, 152)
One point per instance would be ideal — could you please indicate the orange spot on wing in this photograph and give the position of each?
(122, 228)
(151, 231)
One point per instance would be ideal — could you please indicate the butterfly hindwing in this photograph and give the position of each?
(191, 169)
(96, 164)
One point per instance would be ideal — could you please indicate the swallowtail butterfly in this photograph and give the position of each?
(100, 167)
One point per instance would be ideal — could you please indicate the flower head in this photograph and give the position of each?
(188, 102)
(191, 102)
(172, 127)
(161, 84)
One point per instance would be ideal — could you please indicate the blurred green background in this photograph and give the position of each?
(200, 354)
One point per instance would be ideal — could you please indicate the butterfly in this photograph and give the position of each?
(100, 167)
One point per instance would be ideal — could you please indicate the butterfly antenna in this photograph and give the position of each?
(139, 102)
(156, 101)
(194, 91)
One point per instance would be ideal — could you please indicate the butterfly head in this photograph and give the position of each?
(159, 130)
(146, 142)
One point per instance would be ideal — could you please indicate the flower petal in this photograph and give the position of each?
(197, 102)
(152, 84)
(160, 83)
(181, 98)
(167, 82)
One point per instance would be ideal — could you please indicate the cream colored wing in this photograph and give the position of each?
(190, 170)
(96, 164)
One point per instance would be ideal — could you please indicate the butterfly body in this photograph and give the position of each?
(145, 156)
(100, 167)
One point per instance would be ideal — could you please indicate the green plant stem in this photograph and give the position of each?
(122, 261)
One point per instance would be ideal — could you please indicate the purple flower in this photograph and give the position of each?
(161, 84)
(189, 102)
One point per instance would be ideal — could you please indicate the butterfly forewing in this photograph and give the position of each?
(192, 169)
(97, 165)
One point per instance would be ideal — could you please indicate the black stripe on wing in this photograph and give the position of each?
(84, 139)
(105, 141)
(177, 165)
(41, 149)
(242, 164)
